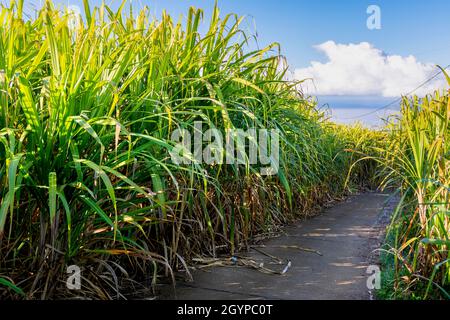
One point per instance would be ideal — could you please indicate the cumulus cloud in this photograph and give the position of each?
(362, 69)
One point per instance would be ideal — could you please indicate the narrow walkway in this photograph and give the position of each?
(345, 235)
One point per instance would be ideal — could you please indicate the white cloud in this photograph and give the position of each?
(362, 69)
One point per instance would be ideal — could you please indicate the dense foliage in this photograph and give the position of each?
(87, 109)
(417, 159)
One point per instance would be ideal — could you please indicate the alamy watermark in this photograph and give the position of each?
(374, 20)
(234, 146)
(73, 281)
(374, 280)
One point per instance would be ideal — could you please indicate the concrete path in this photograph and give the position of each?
(345, 235)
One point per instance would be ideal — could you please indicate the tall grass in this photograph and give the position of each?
(88, 107)
(417, 158)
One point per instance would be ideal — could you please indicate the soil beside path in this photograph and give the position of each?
(345, 235)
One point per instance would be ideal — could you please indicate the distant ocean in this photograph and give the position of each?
(350, 109)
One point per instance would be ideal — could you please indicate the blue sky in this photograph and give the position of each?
(350, 59)
(416, 27)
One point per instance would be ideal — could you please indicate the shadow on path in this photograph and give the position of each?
(345, 235)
